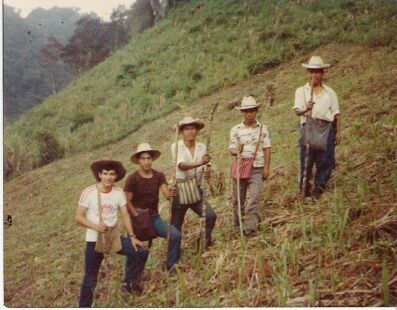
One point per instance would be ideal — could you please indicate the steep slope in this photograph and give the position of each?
(338, 251)
(203, 46)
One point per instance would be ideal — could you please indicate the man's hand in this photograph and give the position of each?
(207, 173)
(265, 174)
(206, 159)
(137, 243)
(172, 190)
(101, 228)
(338, 138)
(310, 105)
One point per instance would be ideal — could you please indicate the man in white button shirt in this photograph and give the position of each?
(244, 138)
(325, 107)
(191, 159)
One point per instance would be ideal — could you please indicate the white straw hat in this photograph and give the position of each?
(316, 62)
(248, 103)
(142, 148)
(188, 120)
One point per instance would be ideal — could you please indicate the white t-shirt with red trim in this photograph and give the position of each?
(110, 202)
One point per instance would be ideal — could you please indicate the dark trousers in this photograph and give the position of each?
(134, 267)
(325, 161)
(179, 212)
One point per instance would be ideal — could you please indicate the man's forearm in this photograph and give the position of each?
(127, 223)
(82, 220)
(189, 166)
(131, 209)
(267, 154)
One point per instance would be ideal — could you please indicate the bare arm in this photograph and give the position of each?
(131, 209)
(267, 156)
(188, 166)
(337, 135)
(81, 219)
(127, 223)
(167, 192)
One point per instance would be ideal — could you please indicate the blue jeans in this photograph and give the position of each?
(325, 161)
(161, 228)
(133, 268)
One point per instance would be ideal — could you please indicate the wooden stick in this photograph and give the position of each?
(203, 226)
(306, 180)
(173, 184)
(240, 220)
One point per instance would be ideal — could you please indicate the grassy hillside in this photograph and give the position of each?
(203, 46)
(338, 251)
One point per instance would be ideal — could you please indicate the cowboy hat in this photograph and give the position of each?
(248, 103)
(188, 120)
(98, 166)
(316, 62)
(144, 147)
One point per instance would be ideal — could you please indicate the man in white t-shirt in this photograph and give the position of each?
(191, 159)
(325, 107)
(107, 172)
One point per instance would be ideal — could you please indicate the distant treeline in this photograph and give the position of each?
(46, 50)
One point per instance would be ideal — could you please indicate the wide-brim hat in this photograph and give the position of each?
(144, 148)
(248, 103)
(188, 120)
(98, 166)
(316, 62)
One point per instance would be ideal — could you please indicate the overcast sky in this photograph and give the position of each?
(102, 8)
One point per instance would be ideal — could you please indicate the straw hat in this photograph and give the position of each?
(142, 148)
(248, 103)
(316, 62)
(98, 166)
(188, 120)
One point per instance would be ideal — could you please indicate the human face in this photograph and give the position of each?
(145, 161)
(315, 76)
(189, 133)
(249, 115)
(108, 177)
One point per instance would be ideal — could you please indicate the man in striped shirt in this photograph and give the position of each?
(244, 139)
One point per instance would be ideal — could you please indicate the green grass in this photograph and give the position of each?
(203, 46)
(339, 251)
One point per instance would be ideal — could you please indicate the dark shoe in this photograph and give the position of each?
(249, 233)
(135, 289)
(318, 192)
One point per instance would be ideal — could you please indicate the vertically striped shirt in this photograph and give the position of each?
(248, 136)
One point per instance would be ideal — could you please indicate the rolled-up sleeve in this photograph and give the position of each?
(266, 138)
(299, 103)
(233, 139)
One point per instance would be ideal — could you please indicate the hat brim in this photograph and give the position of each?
(248, 107)
(154, 153)
(309, 66)
(98, 166)
(197, 123)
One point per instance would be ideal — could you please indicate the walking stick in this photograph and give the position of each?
(240, 220)
(173, 185)
(306, 180)
(203, 222)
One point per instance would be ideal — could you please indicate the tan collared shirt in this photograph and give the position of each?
(326, 103)
(241, 134)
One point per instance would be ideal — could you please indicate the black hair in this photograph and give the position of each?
(109, 167)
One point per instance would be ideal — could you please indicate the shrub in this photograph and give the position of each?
(49, 147)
